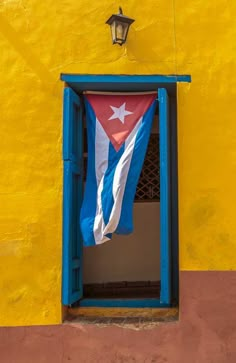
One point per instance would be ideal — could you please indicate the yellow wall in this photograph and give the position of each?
(41, 39)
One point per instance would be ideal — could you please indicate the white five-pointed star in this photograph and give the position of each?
(119, 112)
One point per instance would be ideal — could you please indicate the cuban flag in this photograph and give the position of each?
(118, 130)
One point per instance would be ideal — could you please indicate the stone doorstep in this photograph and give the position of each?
(145, 317)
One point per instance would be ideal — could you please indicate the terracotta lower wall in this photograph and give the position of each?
(205, 333)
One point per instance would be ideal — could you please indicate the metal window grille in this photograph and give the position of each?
(148, 189)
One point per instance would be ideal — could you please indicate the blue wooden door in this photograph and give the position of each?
(72, 285)
(165, 222)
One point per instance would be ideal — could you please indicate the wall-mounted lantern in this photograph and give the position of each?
(119, 24)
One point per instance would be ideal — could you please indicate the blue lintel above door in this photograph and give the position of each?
(129, 83)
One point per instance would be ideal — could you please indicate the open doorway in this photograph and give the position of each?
(128, 266)
(78, 268)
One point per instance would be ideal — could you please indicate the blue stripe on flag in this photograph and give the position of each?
(125, 225)
(88, 210)
(107, 194)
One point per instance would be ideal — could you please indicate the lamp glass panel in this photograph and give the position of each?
(121, 31)
(113, 31)
(126, 29)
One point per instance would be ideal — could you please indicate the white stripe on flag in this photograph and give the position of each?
(101, 163)
(120, 178)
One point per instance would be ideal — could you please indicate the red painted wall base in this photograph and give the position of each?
(205, 333)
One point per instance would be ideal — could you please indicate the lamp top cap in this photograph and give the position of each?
(119, 17)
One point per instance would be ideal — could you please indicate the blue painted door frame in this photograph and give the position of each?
(72, 282)
(165, 215)
(168, 207)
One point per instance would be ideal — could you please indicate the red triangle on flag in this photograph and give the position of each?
(119, 113)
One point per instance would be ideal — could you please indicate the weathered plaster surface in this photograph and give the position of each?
(204, 334)
(38, 41)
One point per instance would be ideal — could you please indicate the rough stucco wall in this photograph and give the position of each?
(39, 40)
(207, 138)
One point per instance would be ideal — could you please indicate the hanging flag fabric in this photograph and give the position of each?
(118, 130)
